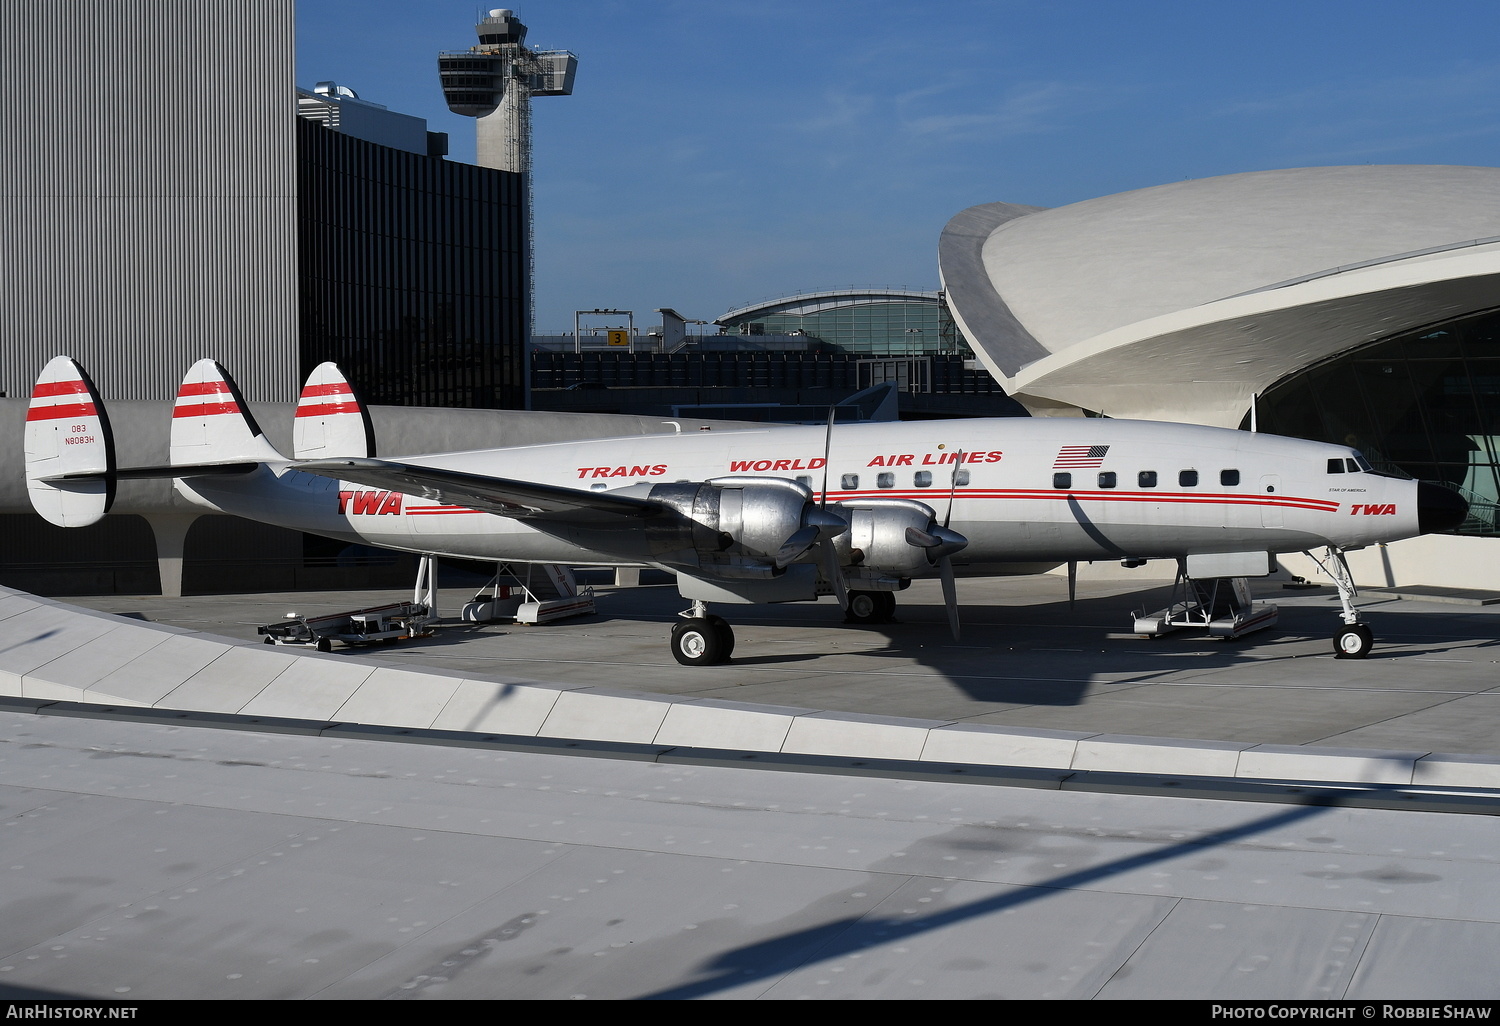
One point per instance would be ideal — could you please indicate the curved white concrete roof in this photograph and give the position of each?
(1183, 301)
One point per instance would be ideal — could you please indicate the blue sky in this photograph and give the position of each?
(716, 154)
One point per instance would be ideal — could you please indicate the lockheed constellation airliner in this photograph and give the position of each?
(781, 514)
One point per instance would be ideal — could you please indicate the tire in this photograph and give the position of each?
(697, 642)
(726, 636)
(324, 645)
(864, 607)
(870, 607)
(1353, 642)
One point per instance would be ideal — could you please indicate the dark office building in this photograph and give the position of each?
(412, 272)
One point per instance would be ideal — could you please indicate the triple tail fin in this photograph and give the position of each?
(331, 422)
(70, 451)
(211, 422)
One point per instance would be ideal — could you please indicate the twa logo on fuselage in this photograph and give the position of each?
(1373, 510)
(361, 503)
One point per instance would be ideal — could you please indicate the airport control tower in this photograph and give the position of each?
(494, 83)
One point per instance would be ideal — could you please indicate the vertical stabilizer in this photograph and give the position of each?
(331, 422)
(212, 424)
(67, 433)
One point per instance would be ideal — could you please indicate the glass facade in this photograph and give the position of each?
(868, 323)
(1425, 403)
(412, 273)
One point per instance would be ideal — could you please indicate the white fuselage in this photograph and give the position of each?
(1132, 490)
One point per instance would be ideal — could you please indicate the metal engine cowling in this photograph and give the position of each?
(740, 525)
(899, 537)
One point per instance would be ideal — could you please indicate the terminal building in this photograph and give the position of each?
(1358, 305)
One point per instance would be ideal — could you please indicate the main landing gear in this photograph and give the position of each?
(870, 607)
(702, 639)
(1354, 640)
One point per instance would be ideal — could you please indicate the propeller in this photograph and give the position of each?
(819, 527)
(940, 543)
(828, 552)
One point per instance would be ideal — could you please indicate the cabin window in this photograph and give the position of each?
(1106, 479)
(598, 486)
(1229, 478)
(886, 480)
(1062, 480)
(1146, 479)
(923, 479)
(849, 482)
(1336, 466)
(804, 480)
(961, 478)
(1187, 479)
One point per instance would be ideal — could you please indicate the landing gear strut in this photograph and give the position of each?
(702, 639)
(1354, 640)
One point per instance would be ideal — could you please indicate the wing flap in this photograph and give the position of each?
(501, 496)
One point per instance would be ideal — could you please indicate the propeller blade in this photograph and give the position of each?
(958, 460)
(834, 572)
(1072, 582)
(921, 539)
(827, 450)
(796, 544)
(950, 594)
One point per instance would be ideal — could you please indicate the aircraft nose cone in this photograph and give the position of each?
(1439, 508)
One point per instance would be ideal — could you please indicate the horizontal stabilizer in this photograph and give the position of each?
(158, 473)
(497, 495)
(67, 433)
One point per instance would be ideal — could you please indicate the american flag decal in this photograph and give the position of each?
(1070, 456)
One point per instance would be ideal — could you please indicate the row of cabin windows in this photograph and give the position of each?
(1107, 478)
(1147, 479)
(887, 479)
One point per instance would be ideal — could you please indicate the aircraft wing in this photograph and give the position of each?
(498, 495)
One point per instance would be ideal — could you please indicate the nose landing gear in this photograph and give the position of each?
(1354, 640)
(702, 639)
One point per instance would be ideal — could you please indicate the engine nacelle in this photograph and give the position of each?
(881, 532)
(739, 526)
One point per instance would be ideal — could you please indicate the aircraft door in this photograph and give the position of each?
(1270, 512)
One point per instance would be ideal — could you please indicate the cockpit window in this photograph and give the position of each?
(1363, 463)
(1336, 466)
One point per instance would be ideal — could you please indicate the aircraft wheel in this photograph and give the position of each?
(698, 642)
(1353, 642)
(726, 635)
(870, 607)
(324, 645)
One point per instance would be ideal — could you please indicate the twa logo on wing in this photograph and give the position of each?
(1373, 510)
(362, 503)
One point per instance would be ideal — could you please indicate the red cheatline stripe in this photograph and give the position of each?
(205, 409)
(191, 388)
(44, 389)
(325, 409)
(62, 412)
(338, 388)
(931, 494)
